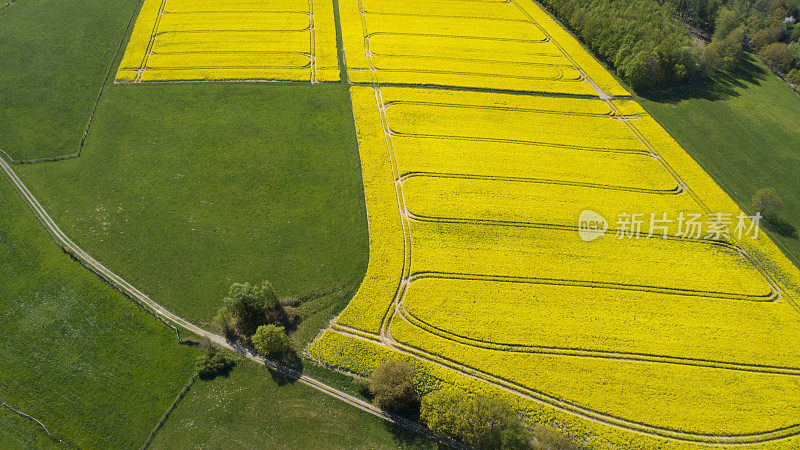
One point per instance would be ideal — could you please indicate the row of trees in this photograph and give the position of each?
(768, 26)
(481, 421)
(247, 307)
(649, 45)
(256, 316)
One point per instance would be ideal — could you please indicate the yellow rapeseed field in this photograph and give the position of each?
(510, 45)
(191, 40)
(485, 131)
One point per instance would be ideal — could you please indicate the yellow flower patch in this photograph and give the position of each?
(232, 40)
(505, 45)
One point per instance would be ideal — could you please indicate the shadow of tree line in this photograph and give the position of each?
(720, 86)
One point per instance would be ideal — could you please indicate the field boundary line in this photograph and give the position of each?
(312, 52)
(459, 36)
(50, 435)
(453, 87)
(520, 141)
(149, 49)
(591, 284)
(94, 106)
(503, 178)
(608, 114)
(166, 316)
(169, 410)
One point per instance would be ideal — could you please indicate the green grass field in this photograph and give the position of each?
(183, 189)
(54, 58)
(249, 409)
(744, 129)
(77, 355)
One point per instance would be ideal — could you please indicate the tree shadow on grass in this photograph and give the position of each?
(717, 87)
(406, 438)
(223, 373)
(291, 360)
(779, 225)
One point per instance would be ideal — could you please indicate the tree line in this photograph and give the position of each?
(480, 420)
(769, 27)
(648, 43)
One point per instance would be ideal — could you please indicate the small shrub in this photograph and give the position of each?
(441, 411)
(392, 385)
(768, 202)
(247, 307)
(794, 77)
(212, 363)
(270, 339)
(778, 56)
(490, 423)
(481, 421)
(224, 322)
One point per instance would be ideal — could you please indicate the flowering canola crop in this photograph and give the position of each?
(510, 45)
(232, 40)
(484, 131)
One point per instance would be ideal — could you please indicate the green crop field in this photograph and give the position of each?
(100, 372)
(213, 183)
(55, 56)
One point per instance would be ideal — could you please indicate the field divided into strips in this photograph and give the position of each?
(477, 273)
(509, 45)
(192, 40)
